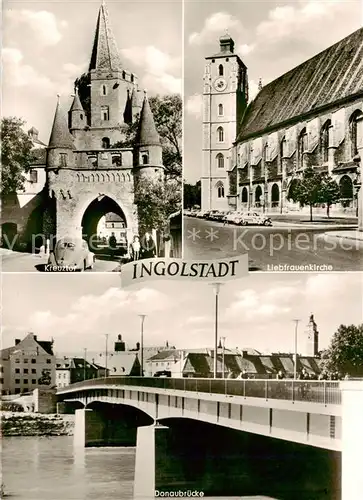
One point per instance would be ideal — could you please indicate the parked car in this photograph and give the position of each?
(234, 218)
(71, 253)
(211, 214)
(221, 215)
(254, 218)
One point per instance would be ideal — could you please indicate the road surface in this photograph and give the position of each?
(26, 262)
(282, 247)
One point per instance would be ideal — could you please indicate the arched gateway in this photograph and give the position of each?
(88, 176)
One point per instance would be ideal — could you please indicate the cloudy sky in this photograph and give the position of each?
(271, 37)
(256, 311)
(47, 44)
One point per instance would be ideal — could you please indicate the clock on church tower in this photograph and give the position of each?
(224, 100)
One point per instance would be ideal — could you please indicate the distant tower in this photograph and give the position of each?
(260, 84)
(119, 344)
(312, 337)
(225, 96)
(76, 115)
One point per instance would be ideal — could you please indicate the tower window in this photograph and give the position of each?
(105, 113)
(220, 160)
(132, 78)
(227, 59)
(105, 142)
(103, 90)
(144, 158)
(220, 109)
(63, 159)
(81, 116)
(220, 189)
(123, 75)
(220, 133)
(117, 160)
(220, 70)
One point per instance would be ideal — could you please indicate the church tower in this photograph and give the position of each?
(312, 337)
(225, 96)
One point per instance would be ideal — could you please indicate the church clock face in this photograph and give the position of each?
(220, 84)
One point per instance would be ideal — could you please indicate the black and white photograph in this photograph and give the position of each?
(274, 133)
(142, 393)
(91, 134)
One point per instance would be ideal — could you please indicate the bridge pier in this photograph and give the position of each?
(352, 439)
(100, 428)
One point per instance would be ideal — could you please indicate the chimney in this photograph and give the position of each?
(17, 341)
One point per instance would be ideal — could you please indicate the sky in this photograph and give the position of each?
(256, 311)
(271, 37)
(48, 44)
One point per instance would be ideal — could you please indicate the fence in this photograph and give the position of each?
(325, 392)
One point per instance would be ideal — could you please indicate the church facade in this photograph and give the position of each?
(87, 174)
(254, 154)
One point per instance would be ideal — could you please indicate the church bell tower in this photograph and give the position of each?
(225, 96)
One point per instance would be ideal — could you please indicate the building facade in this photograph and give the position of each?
(87, 174)
(71, 370)
(28, 365)
(310, 116)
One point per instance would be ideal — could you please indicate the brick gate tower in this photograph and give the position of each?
(88, 176)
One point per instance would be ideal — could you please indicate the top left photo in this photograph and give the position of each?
(91, 134)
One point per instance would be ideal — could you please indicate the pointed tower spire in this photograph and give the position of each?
(60, 136)
(147, 134)
(76, 104)
(105, 54)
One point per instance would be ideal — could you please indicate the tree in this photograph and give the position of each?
(16, 155)
(345, 353)
(192, 194)
(83, 83)
(330, 192)
(308, 190)
(167, 111)
(156, 200)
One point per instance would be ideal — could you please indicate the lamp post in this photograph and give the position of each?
(142, 316)
(216, 287)
(223, 344)
(359, 196)
(106, 353)
(295, 348)
(84, 363)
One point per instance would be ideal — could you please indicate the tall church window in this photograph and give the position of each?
(356, 131)
(324, 141)
(220, 134)
(302, 146)
(105, 113)
(220, 160)
(220, 109)
(220, 70)
(283, 152)
(105, 142)
(103, 90)
(220, 189)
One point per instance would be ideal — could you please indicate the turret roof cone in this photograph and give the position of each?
(105, 54)
(147, 134)
(76, 104)
(60, 136)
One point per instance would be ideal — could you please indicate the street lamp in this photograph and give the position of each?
(84, 363)
(106, 353)
(216, 287)
(295, 348)
(142, 316)
(223, 344)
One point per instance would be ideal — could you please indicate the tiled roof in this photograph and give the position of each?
(105, 53)
(164, 355)
(331, 75)
(76, 104)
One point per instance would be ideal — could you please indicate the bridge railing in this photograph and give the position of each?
(324, 391)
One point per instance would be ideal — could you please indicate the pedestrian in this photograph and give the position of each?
(135, 248)
(149, 249)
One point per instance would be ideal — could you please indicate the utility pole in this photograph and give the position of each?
(142, 316)
(216, 287)
(296, 321)
(106, 353)
(223, 345)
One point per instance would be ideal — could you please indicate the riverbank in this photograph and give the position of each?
(35, 424)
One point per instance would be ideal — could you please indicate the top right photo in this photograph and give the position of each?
(273, 133)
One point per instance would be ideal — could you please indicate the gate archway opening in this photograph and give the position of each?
(104, 226)
(346, 191)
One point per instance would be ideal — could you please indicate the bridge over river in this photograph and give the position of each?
(223, 437)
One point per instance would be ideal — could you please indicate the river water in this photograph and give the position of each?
(50, 468)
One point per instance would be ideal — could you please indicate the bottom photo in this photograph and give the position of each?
(241, 390)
